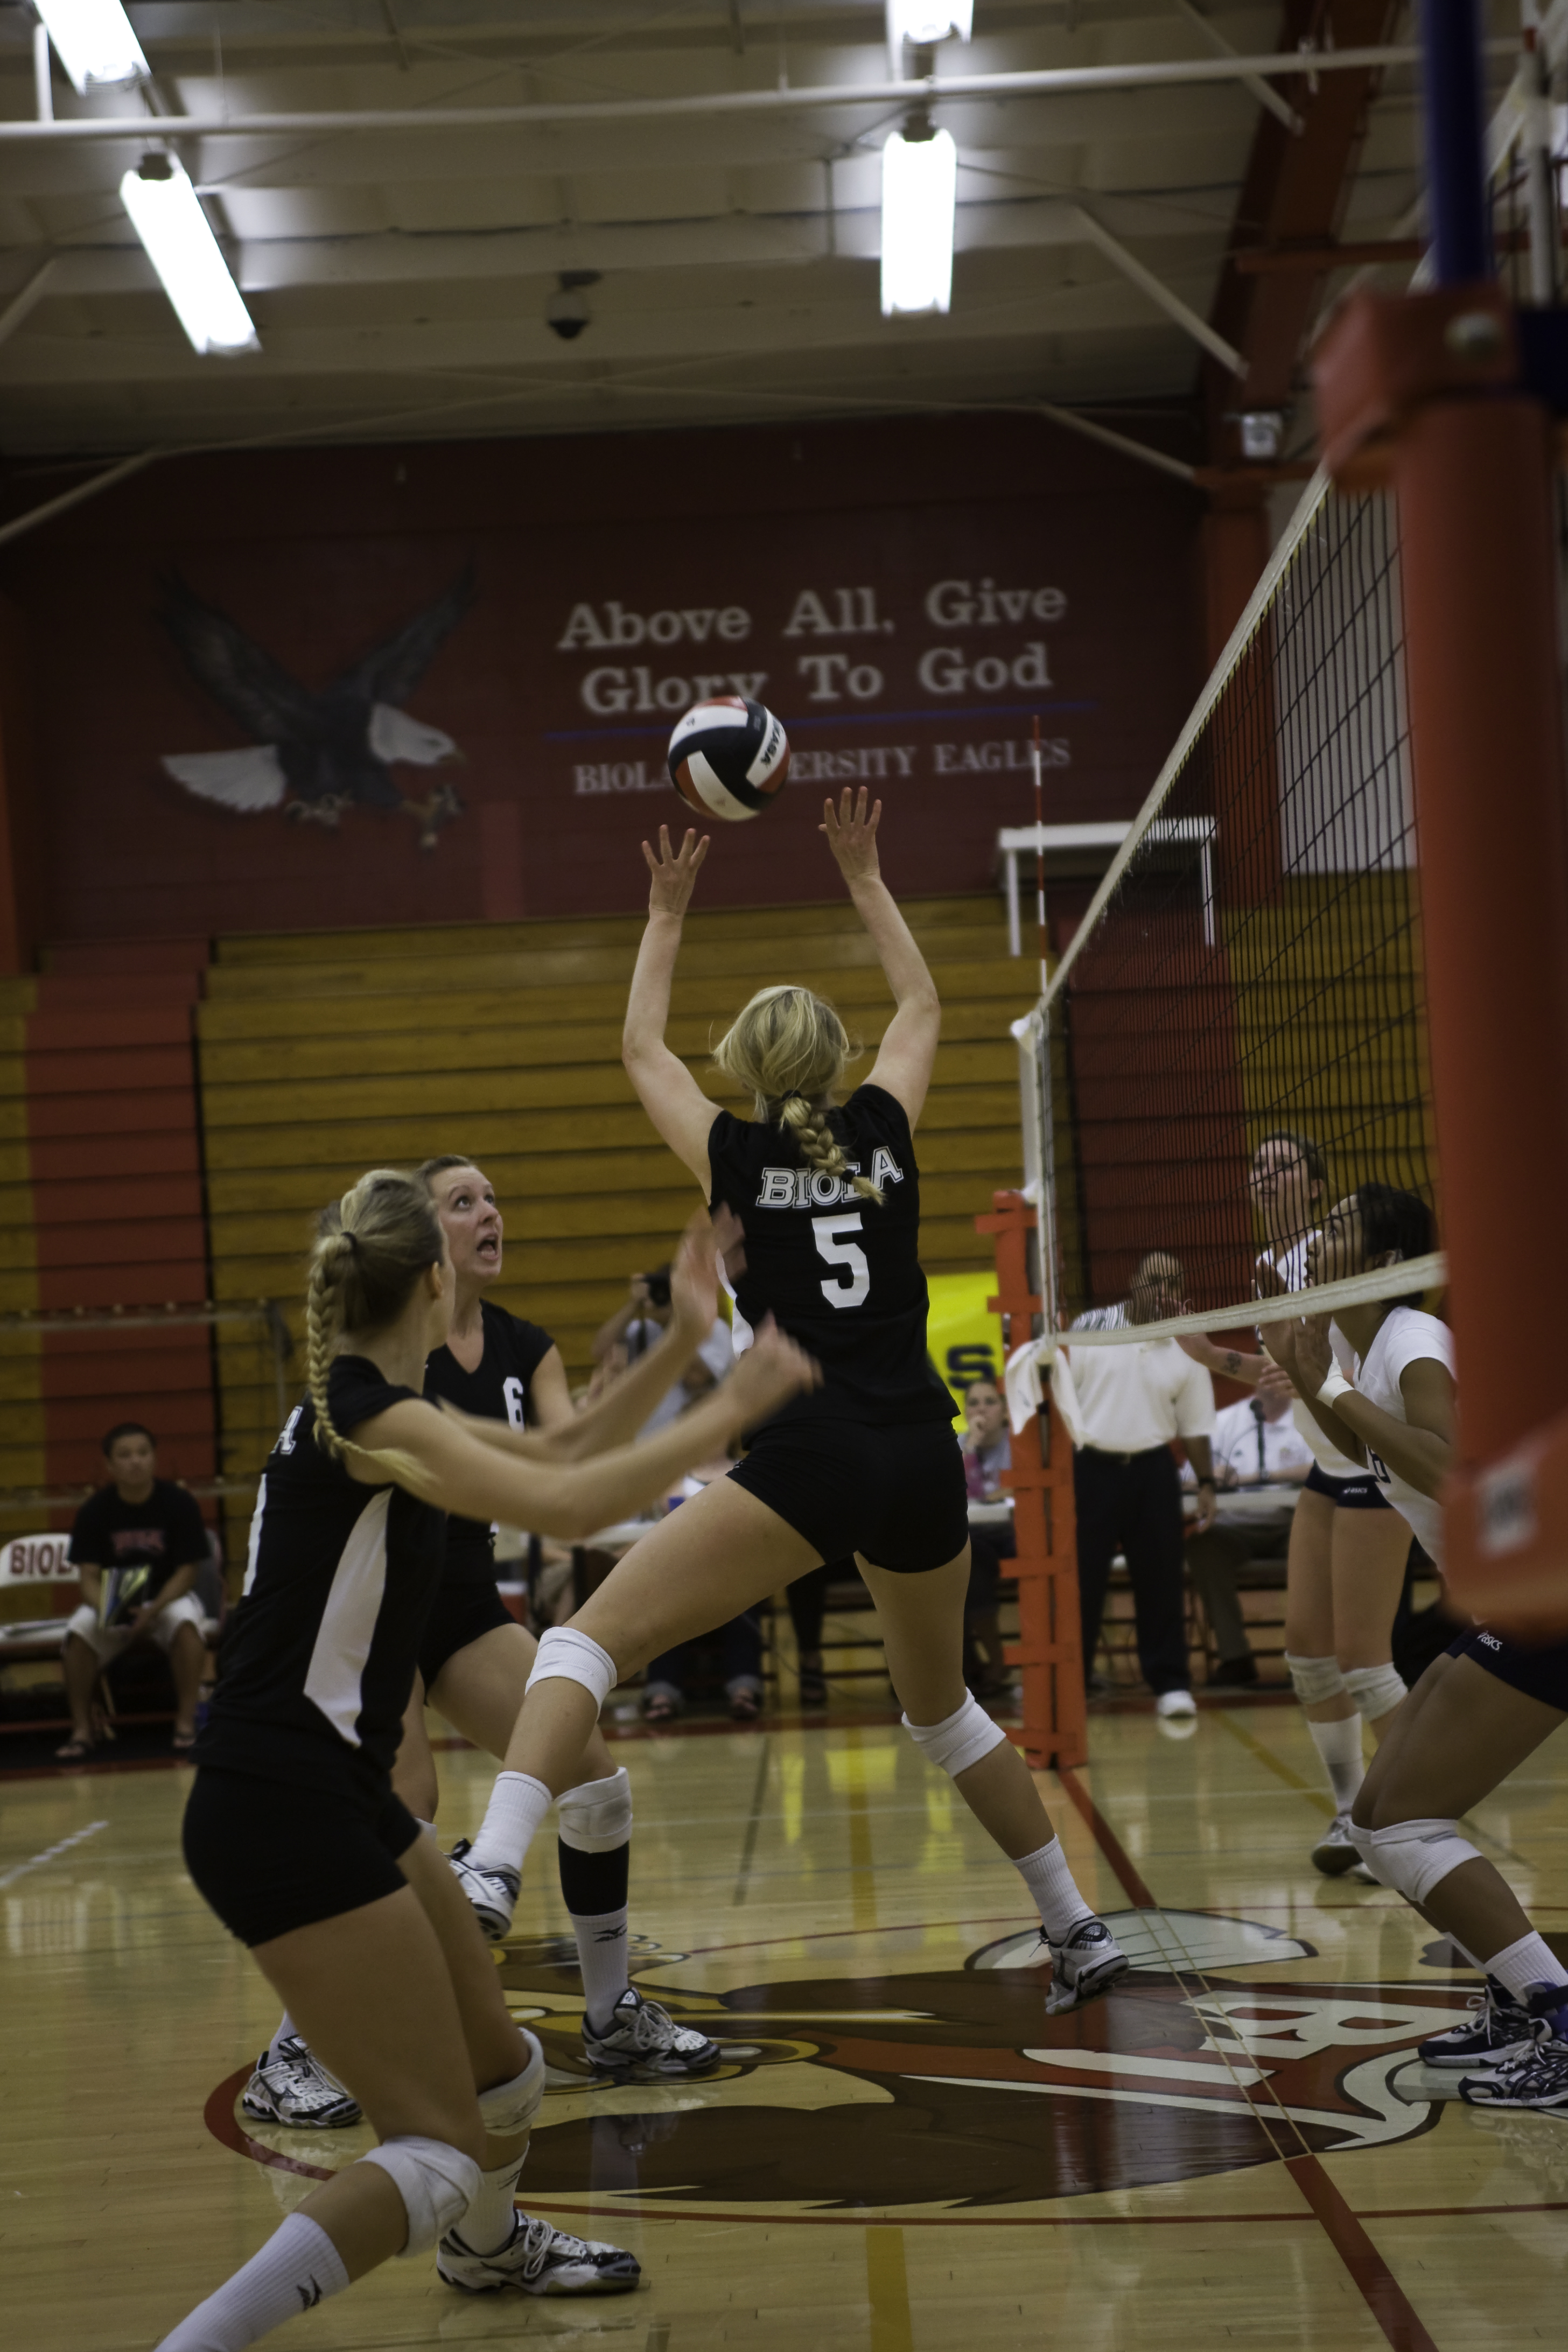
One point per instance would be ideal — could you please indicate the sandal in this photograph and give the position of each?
(659, 1709)
(745, 1706)
(184, 1742)
(75, 1751)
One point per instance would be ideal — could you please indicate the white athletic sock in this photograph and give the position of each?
(487, 2224)
(287, 2031)
(1339, 1745)
(298, 2268)
(517, 1804)
(1045, 1875)
(602, 1949)
(1529, 1962)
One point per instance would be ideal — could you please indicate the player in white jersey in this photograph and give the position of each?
(1345, 1565)
(1477, 1712)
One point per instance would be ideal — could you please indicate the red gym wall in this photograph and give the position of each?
(838, 571)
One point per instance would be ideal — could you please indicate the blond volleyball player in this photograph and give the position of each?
(1346, 1564)
(474, 1662)
(292, 1831)
(868, 1463)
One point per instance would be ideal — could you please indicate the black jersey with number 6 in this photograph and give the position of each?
(498, 1389)
(318, 1662)
(837, 1272)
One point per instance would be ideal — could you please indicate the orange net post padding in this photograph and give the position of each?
(1049, 1647)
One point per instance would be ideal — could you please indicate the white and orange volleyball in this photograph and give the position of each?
(729, 758)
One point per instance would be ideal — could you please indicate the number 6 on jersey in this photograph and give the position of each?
(847, 1254)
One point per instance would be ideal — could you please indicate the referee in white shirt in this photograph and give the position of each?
(1134, 1400)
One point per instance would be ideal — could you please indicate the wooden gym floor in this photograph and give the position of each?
(900, 2153)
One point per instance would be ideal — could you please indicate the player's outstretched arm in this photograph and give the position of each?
(436, 1457)
(666, 1088)
(614, 1419)
(908, 1051)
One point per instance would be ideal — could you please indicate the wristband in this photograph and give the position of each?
(1335, 1385)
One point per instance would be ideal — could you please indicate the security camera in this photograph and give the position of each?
(566, 313)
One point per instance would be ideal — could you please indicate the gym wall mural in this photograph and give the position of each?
(333, 688)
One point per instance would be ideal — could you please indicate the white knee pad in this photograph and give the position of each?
(508, 2108)
(438, 2183)
(596, 1816)
(1413, 1857)
(576, 1658)
(1376, 1690)
(1315, 1679)
(960, 1740)
(1362, 1840)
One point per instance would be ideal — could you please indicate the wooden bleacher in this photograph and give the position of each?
(326, 1054)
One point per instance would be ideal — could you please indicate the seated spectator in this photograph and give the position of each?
(807, 1598)
(138, 1545)
(987, 1451)
(640, 1324)
(1256, 1443)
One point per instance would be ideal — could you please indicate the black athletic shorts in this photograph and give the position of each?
(1539, 1674)
(459, 1615)
(269, 1855)
(1360, 1493)
(895, 1495)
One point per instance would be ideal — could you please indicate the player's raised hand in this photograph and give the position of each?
(674, 871)
(694, 1275)
(772, 1370)
(852, 834)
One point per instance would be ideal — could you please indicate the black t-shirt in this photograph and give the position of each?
(320, 1657)
(164, 1533)
(500, 1388)
(837, 1272)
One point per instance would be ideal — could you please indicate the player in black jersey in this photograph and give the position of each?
(474, 1664)
(867, 1462)
(292, 1831)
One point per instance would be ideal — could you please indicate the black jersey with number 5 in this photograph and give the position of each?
(318, 1662)
(837, 1272)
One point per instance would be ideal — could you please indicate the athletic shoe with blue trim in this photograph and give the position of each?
(1538, 2077)
(644, 2040)
(492, 1893)
(1499, 2030)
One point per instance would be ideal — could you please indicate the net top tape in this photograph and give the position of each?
(1422, 1273)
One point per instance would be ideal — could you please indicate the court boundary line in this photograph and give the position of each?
(1374, 2278)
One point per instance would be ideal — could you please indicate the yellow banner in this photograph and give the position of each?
(965, 1340)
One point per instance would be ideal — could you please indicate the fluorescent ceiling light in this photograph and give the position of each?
(167, 216)
(93, 40)
(919, 191)
(926, 21)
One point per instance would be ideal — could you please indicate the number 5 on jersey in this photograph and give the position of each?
(854, 1283)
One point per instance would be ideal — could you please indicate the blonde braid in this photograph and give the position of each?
(820, 1148)
(323, 1317)
(371, 1248)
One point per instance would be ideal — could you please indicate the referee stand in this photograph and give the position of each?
(1049, 1648)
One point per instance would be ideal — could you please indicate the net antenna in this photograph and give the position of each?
(1032, 1035)
(1235, 1038)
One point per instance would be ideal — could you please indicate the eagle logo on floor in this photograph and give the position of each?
(953, 2088)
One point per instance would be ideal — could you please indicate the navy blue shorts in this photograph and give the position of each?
(1539, 1674)
(895, 1495)
(268, 1857)
(460, 1613)
(1360, 1493)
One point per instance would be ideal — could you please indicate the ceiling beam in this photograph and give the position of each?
(1355, 62)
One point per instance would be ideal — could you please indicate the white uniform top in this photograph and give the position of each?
(1291, 1266)
(1258, 1449)
(1407, 1335)
(1137, 1397)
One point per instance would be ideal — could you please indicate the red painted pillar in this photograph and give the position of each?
(1421, 392)
(1049, 1648)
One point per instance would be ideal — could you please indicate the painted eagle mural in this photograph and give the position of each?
(314, 754)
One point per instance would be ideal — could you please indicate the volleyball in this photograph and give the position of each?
(728, 758)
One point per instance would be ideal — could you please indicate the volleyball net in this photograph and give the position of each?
(1245, 993)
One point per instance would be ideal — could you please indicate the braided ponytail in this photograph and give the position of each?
(371, 1247)
(790, 1048)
